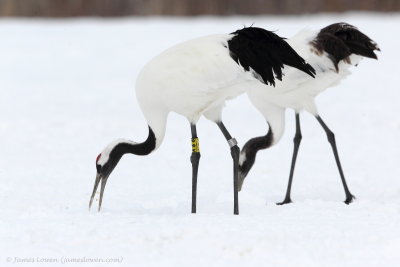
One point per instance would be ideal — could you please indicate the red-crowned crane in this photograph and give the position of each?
(331, 51)
(195, 78)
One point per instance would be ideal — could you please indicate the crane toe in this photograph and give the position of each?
(285, 201)
(349, 199)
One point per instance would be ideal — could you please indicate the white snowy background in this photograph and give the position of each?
(67, 90)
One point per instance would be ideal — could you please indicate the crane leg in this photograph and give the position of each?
(331, 139)
(194, 159)
(235, 151)
(296, 140)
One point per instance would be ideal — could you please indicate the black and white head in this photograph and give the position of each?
(105, 164)
(108, 159)
(246, 162)
(248, 154)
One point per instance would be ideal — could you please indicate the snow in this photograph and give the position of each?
(67, 91)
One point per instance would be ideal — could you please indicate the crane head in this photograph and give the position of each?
(246, 162)
(105, 164)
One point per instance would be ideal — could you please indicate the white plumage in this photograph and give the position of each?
(331, 52)
(195, 78)
(298, 90)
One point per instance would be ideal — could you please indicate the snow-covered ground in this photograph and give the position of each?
(67, 90)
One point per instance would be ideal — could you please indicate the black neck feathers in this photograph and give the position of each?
(340, 40)
(123, 148)
(140, 149)
(264, 53)
(250, 150)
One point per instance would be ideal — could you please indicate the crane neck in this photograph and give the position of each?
(255, 144)
(249, 152)
(141, 149)
(115, 150)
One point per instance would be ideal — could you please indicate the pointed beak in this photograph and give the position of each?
(241, 178)
(243, 172)
(103, 180)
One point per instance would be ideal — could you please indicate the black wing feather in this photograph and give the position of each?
(265, 53)
(335, 47)
(340, 40)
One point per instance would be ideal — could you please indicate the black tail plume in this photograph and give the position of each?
(265, 53)
(340, 40)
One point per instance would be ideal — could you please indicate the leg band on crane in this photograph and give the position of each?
(232, 142)
(195, 145)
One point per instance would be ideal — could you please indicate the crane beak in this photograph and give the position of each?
(241, 177)
(243, 171)
(103, 179)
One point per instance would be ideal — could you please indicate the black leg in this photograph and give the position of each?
(194, 158)
(235, 156)
(296, 140)
(331, 139)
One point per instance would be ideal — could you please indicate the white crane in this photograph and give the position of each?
(195, 78)
(331, 51)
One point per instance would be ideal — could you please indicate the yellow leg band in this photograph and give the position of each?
(195, 145)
